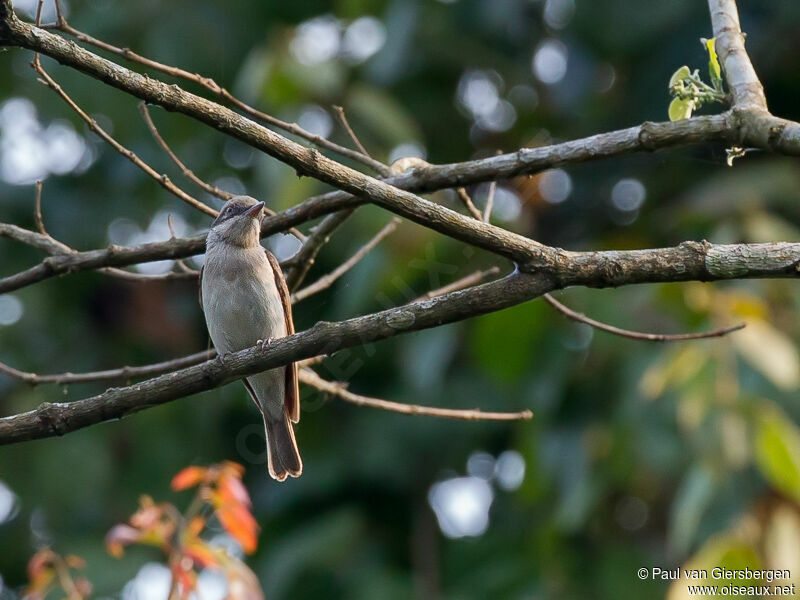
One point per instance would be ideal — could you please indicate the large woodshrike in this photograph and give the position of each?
(246, 302)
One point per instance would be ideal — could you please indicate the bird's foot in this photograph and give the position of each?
(264, 344)
(222, 356)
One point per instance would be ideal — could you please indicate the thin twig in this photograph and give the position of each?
(39, 13)
(460, 284)
(468, 203)
(213, 87)
(162, 179)
(487, 210)
(636, 335)
(37, 210)
(126, 372)
(309, 377)
(328, 279)
(383, 170)
(119, 373)
(54, 247)
(211, 189)
(300, 264)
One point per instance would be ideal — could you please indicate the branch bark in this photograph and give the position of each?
(688, 262)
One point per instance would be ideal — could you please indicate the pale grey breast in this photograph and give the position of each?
(240, 298)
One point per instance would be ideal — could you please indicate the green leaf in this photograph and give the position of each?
(714, 70)
(680, 108)
(679, 76)
(777, 451)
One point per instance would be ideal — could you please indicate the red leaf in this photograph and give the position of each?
(189, 477)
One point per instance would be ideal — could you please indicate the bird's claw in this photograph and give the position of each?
(264, 343)
(222, 356)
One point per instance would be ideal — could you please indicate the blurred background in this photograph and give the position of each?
(639, 455)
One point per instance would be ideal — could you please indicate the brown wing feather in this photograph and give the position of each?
(292, 400)
(200, 287)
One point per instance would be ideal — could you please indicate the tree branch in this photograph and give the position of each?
(688, 262)
(300, 264)
(212, 86)
(328, 279)
(309, 377)
(309, 161)
(637, 335)
(161, 179)
(757, 127)
(746, 89)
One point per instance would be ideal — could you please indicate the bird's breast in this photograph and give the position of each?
(240, 298)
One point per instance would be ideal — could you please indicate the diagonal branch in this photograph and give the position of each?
(212, 86)
(686, 262)
(161, 179)
(328, 279)
(746, 89)
(305, 160)
(300, 264)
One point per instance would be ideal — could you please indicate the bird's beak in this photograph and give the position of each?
(255, 211)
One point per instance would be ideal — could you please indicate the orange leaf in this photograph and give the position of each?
(232, 490)
(240, 524)
(196, 526)
(189, 477)
(201, 554)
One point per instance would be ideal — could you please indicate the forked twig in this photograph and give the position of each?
(311, 378)
(162, 179)
(328, 279)
(213, 87)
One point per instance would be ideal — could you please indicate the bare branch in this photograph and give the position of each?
(119, 373)
(636, 335)
(377, 166)
(468, 203)
(31, 238)
(309, 377)
(687, 262)
(162, 179)
(487, 210)
(124, 373)
(465, 282)
(328, 279)
(300, 264)
(187, 172)
(212, 86)
(746, 89)
(309, 161)
(37, 210)
(324, 338)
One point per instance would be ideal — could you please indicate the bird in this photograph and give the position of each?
(246, 302)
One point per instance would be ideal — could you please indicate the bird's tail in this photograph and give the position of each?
(283, 458)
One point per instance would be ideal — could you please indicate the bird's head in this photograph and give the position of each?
(238, 223)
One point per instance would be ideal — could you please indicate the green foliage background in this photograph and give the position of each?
(703, 435)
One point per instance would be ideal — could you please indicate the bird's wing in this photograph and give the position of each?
(200, 287)
(292, 400)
